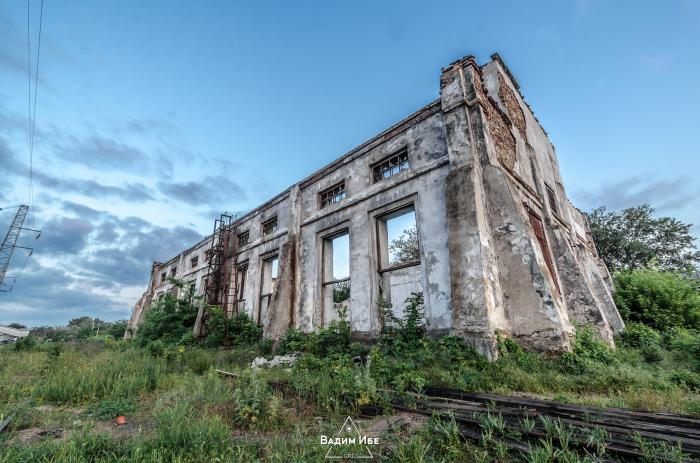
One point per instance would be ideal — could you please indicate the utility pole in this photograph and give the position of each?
(9, 244)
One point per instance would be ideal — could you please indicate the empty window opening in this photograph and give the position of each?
(203, 286)
(390, 166)
(268, 285)
(192, 287)
(243, 238)
(270, 226)
(194, 262)
(173, 271)
(241, 274)
(163, 276)
(336, 275)
(551, 197)
(533, 170)
(332, 195)
(398, 239)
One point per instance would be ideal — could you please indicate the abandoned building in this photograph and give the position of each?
(9, 335)
(462, 201)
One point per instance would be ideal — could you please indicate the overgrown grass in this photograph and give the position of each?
(179, 409)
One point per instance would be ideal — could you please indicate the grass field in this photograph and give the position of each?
(65, 397)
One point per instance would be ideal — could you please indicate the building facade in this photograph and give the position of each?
(9, 335)
(471, 187)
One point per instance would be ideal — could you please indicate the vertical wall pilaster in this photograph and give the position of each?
(282, 311)
(474, 305)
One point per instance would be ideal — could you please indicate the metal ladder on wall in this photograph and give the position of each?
(222, 271)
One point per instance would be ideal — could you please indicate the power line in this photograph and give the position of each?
(32, 114)
(29, 98)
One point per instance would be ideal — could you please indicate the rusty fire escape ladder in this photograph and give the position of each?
(218, 288)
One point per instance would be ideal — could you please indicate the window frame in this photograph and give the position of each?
(331, 198)
(328, 239)
(194, 262)
(263, 260)
(551, 199)
(266, 223)
(385, 216)
(241, 276)
(378, 177)
(245, 234)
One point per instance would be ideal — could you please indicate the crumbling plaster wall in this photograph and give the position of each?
(262, 247)
(579, 274)
(421, 185)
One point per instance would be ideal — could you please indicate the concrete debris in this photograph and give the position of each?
(286, 361)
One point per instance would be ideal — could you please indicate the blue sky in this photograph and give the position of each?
(153, 117)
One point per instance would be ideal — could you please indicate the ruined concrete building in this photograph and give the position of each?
(462, 201)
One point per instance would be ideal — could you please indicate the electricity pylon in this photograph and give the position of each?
(9, 244)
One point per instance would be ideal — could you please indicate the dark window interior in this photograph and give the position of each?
(270, 226)
(332, 195)
(390, 166)
(552, 199)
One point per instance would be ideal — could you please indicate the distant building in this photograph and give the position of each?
(11, 335)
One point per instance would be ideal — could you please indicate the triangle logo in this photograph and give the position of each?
(348, 443)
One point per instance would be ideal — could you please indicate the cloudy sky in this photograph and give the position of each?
(153, 117)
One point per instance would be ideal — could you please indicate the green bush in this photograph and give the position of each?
(169, 318)
(156, 348)
(295, 341)
(637, 335)
(26, 343)
(686, 379)
(588, 351)
(334, 339)
(112, 408)
(661, 300)
(652, 353)
(403, 333)
(255, 405)
(242, 330)
(117, 329)
(331, 340)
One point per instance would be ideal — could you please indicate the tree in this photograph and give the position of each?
(662, 300)
(80, 321)
(632, 239)
(341, 292)
(405, 247)
(17, 326)
(169, 318)
(116, 329)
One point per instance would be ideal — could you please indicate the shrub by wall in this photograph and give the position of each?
(661, 300)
